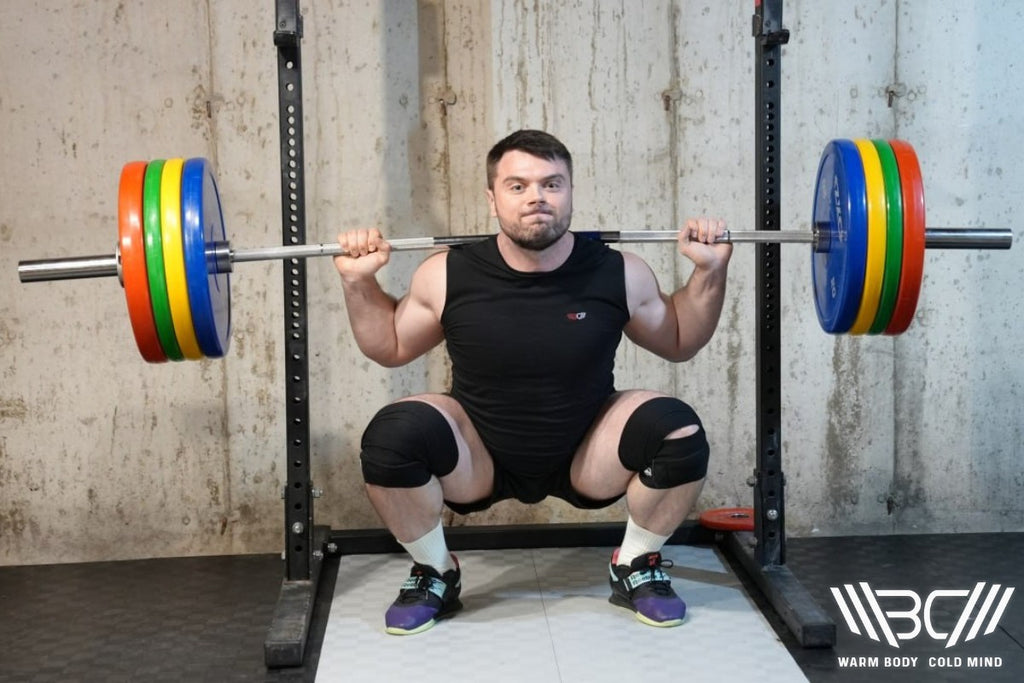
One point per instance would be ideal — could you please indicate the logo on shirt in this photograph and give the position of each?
(576, 316)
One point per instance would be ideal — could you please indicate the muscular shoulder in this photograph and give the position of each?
(641, 285)
(429, 282)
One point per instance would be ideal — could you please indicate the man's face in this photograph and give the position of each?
(532, 199)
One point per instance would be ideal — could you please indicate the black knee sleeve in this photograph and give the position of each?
(664, 463)
(405, 444)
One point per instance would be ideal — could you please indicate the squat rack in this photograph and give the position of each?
(762, 553)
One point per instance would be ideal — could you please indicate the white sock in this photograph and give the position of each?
(638, 541)
(431, 549)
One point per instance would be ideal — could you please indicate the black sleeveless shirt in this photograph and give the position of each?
(533, 353)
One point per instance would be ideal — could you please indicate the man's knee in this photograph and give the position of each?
(652, 444)
(405, 444)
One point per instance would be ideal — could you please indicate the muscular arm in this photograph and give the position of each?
(677, 326)
(392, 331)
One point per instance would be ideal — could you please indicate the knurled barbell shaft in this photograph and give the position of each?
(224, 256)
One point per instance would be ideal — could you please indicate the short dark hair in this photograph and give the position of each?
(534, 142)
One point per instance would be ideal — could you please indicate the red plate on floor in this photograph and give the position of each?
(728, 519)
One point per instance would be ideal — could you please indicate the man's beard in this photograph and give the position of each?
(539, 240)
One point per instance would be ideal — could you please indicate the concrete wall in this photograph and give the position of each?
(103, 456)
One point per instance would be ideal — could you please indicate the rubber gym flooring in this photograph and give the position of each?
(530, 615)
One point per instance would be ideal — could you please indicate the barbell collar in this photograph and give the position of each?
(222, 256)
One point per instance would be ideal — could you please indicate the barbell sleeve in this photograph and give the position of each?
(72, 268)
(107, 265)
(968, 238)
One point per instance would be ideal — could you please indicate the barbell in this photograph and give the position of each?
(173, 257)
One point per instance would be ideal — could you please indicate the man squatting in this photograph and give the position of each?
(532, 318)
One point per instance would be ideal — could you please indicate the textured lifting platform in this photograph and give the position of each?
(543, 615)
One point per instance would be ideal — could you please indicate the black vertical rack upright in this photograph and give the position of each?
(763, 554)
(303, 555)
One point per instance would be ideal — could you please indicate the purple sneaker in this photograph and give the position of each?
(424, 598)
(644, 588)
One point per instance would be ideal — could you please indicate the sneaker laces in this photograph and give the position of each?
(656, 581)
(418, 585)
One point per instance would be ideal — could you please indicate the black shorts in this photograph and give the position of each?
(532, 489)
